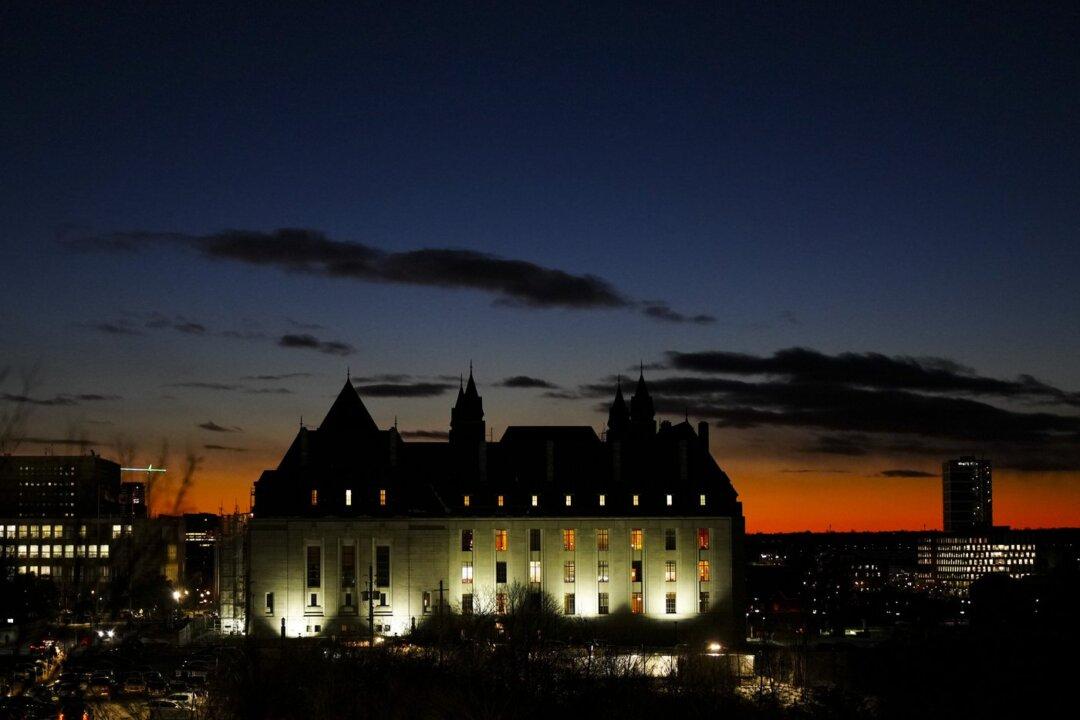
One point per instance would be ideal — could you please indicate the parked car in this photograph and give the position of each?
(100, 687)
(133, 684)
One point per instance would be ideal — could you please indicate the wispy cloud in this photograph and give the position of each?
(228, 448)
(511, 282)
(310, 342)
(214, 427)
(62, 400)
(524, 381)
(405, 390)
(904, 473)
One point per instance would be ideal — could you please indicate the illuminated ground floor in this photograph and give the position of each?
(325, 577)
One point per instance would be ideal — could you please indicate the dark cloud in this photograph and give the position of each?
(385, 378)
(70, 442)
(512, 282)
(851, 446)
(405, 390)
(214, 427)
(904, 473)
(425, 434)
(870, 370)
(306, 341)
(268, 391)
(566, 395)
(115, 328)
(178, 323)
(524, 381)
(63, 400)
(660, 311)
(200, 385)
(282, 376)
(228, 448)
(802, 471)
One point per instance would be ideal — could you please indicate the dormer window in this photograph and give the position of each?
(635, 500)
(535, 500)
(499, 501)
(314, 497)
(382, 497)
(669, 501)
(701, 500)
(569, 500)
(466, 500)
(348, 497)
(603, 500)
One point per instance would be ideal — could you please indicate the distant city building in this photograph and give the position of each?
(202, 531)
(967, 489)
(359, 531)
(949, 564)
(66, 518)
(133, 499)
(58, 486)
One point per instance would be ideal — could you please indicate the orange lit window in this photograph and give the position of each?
(502, 541)
(382, 498)
(466, 501)
(637, 604)
(499, 501)
(314, 498)
(637, 539)
(703, 571)
(569, 540)
(703, 538)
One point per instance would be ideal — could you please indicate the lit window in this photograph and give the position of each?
(534, 571)
(499, 501)
(348, 498)
(602, 572)
(703, 571)
(637, 604)
(603, 500)
(701, 500)
(669, 571)
(669, 501)
(635, 499)
(502, 540)
(466, 500)
(569, 571)
(501, 603)
(635, 571)
(602, 539)
(637, 539)
(382, 498)
(703, 538)
(569, 500)
(569, 539)
(569, 604)
(115, 531)
(314, 498)
(466, 571)
(535, 500)
(602, 604)
(669, 603)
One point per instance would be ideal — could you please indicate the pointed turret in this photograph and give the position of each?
(642, 412)
(618, 423)
(467, 415)
(348, 413)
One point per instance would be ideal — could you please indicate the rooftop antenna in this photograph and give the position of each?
(348, 374)
(395, 422)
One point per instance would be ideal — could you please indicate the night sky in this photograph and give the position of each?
(845, 235)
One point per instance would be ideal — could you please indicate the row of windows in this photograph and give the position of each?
(49, 532)
(570, 571)
(500, 500)
(57, 551)
(569, 539)
(603, 603)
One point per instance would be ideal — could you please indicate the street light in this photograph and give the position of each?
(176, 595)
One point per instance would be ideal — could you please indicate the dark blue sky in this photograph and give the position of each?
(896, 178)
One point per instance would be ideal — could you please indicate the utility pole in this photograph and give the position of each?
(371, 604)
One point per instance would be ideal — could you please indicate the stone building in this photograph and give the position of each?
(642, 522)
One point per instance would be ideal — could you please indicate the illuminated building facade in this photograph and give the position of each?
(967, 490)
(642, 522)
(949, 564)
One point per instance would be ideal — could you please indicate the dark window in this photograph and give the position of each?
(703, 602)
(314, 566)
(569, 604)
(425, 601)
(534, 539)
(467, 604)
(348, 566)
(313, 600)
(466, 540)
(348, 599)
(500, 571)
(602, 604)
(669, 539)
(635, 571)
(669, 603)
(382, 566)
(270, 603)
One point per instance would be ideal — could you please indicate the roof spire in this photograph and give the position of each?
(348, 373)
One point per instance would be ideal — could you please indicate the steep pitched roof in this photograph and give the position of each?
(348, 414)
